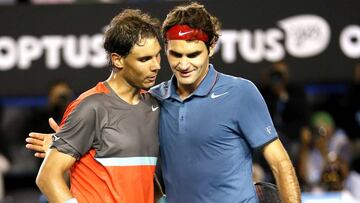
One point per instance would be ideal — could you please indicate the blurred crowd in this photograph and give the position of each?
(320, 130)
(17, 163)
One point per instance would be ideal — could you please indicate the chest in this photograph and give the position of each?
(129, 131)
(199, 120)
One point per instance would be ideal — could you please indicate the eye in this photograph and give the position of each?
(193, 55)
(144, 59)
(175, 54)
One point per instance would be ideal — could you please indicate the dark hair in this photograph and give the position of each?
(196, 16)
(127, 28)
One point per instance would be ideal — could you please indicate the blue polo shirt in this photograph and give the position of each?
(206, 140)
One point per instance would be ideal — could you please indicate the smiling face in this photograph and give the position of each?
(189, 61)
(142, 64)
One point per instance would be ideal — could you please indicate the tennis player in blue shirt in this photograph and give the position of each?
(211, 122)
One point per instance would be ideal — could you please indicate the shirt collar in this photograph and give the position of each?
(204, 88)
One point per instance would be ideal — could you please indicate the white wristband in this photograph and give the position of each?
(72, 200)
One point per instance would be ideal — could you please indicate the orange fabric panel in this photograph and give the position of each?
(95, 183)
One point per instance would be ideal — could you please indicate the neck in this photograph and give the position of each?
(123, 89)
(184, 91)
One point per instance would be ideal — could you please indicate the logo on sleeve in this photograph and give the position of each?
(154, 108)
(268, 130)
(55, 138)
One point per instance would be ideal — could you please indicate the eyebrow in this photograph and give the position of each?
(195, 53)
(148, 56)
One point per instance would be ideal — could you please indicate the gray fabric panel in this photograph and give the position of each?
(112, 127)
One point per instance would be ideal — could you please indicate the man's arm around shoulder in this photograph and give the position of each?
(50, 178)
(283, 170)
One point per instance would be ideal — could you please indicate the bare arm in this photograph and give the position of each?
(50, 178)
(283, 171)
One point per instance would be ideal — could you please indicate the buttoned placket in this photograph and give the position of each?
(182, 116)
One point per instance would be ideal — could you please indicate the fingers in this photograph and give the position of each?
(37, 148)
(33, 141)
(38, 136)
(39, 155)
(54, 125)
(37, 143)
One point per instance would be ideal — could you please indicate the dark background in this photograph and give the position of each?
(331, 65)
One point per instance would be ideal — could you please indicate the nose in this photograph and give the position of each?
(156, 63)
(183, 63)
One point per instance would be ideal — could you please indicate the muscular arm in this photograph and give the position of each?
(284, 172)
(50, 178)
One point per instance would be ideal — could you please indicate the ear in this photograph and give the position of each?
(212, 49)
(117, 60)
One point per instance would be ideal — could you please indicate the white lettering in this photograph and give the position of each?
(52, 46)
(275, 51)
(76, 53)
(251, 47)
(29, 49)
(228, 49)
(8, 53)
(350, 41)
(98, 60)
(306, 35)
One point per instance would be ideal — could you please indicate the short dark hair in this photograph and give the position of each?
(127, 28)
(196, 16)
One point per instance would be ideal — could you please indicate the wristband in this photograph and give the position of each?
(72, 200)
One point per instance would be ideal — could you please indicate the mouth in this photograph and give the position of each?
(152, 78)
(185, 74)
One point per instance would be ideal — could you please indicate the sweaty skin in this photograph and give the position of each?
(283, 171)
